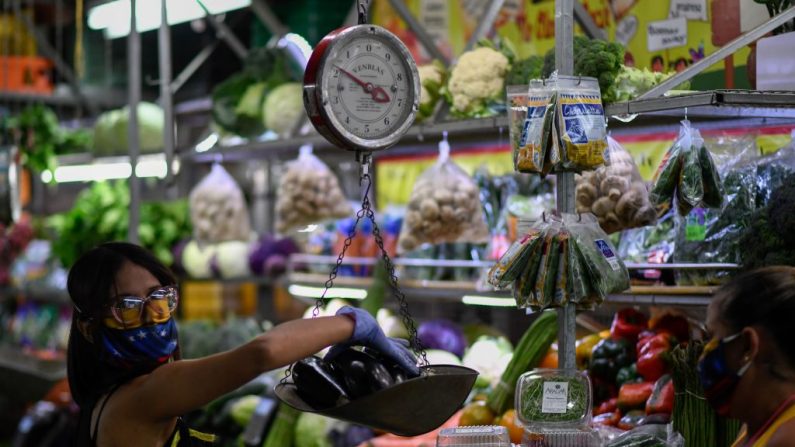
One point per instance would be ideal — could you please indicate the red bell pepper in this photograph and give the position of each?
(608, 419)
(634, 395)
(627, 324)
(662, 397)
(607, 406)
(651, 364)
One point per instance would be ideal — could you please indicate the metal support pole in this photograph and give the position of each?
(225, 33)
(134, 93)
(586, 22)
(48, 51)
(485, 24)
(564, 63)
(416, 27)
(720, 54)
(268, 18)
(166, 97)
(193, 66)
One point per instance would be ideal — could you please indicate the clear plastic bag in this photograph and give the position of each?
(309, 193)
(606, 270)
(646, 435)
(615, 193)
(444, 207)
(218, 209)
(580, 124)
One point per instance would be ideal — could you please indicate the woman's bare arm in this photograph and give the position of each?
(179, 387)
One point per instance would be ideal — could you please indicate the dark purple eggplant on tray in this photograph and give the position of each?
(361, 373)
(317, 384)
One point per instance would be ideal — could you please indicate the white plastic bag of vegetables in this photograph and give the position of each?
(309, 193)
(615, 193)
(444, 206)
(218, 209)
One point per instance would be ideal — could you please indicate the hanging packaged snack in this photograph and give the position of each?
(309, 193)
(531, 126)
(218, 209)
(582, 131)
(606, 270)
(444, 207)
(615, 193)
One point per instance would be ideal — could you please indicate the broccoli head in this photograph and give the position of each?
(593, 58)
(769, 239)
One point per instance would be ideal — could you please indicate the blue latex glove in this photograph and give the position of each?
(366, 332)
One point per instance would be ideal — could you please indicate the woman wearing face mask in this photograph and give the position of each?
(123, 357)
(748, 368)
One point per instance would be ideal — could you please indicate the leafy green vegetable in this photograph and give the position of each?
(524, 70)
(594, 58)
(110, 130)
(41, 138)
(100, 214)
(532, 400)
(769, 239)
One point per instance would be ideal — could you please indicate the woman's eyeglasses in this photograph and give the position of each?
(128, 310)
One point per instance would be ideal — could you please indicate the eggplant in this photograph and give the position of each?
(398, 374)
(317, 385)
(361, 373)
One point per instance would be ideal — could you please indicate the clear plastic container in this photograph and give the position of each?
(480, 436)
(554, 398)
(541, 437)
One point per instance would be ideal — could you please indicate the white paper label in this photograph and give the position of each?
(556, 397)
(664, 34)
(626, 30)
(689, 9)
(608, 254)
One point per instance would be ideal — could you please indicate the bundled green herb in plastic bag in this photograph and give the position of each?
(667, 175)
(548, 268)
(606, 270)
(713, 190)
(507, 269)
(690, 191)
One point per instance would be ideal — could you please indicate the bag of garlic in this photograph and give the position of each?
(615, 193)
(309, 193)
(218, 209)
(444, 206)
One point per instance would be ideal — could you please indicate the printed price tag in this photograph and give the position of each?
(611, 258)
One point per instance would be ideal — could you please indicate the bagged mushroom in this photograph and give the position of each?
(218, 209)
(444, 206)
(309, 193)
(615, 193)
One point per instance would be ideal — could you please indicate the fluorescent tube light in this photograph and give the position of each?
(105, 171)
(493, 301)
(114, 16)
(336, 292)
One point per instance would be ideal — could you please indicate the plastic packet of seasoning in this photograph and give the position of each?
(562, 289)
(606, 270)
(581, 125)
(510, 265)
(531, 118)
(544, 288)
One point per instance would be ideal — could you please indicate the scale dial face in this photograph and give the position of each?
(365, 91)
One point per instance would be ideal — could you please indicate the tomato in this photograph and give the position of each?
(509, 421)
(550, 360)
(476, 413)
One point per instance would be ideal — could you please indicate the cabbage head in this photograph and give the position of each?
(283, 108)
(110, 131)
(311, 430)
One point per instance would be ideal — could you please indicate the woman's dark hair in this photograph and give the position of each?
(90, 282)
(763, 297)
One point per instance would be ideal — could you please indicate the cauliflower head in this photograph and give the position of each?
(431, 80)
(478, 77)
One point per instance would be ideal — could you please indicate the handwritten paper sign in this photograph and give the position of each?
(689, 9)
(664, 34)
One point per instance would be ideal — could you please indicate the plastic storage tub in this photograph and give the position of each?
(480, 436)
(550, 398)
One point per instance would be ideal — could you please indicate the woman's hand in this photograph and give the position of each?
(366, 332)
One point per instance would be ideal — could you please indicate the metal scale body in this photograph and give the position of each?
(361, 92)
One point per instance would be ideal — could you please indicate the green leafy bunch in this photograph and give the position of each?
(101, 214)
(593, 58)
(775, 7)
(769, 239)
(524, 70)
(41, 138)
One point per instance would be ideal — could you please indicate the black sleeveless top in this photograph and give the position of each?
(183, 436)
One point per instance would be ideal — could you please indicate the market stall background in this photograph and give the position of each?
(221, 113)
